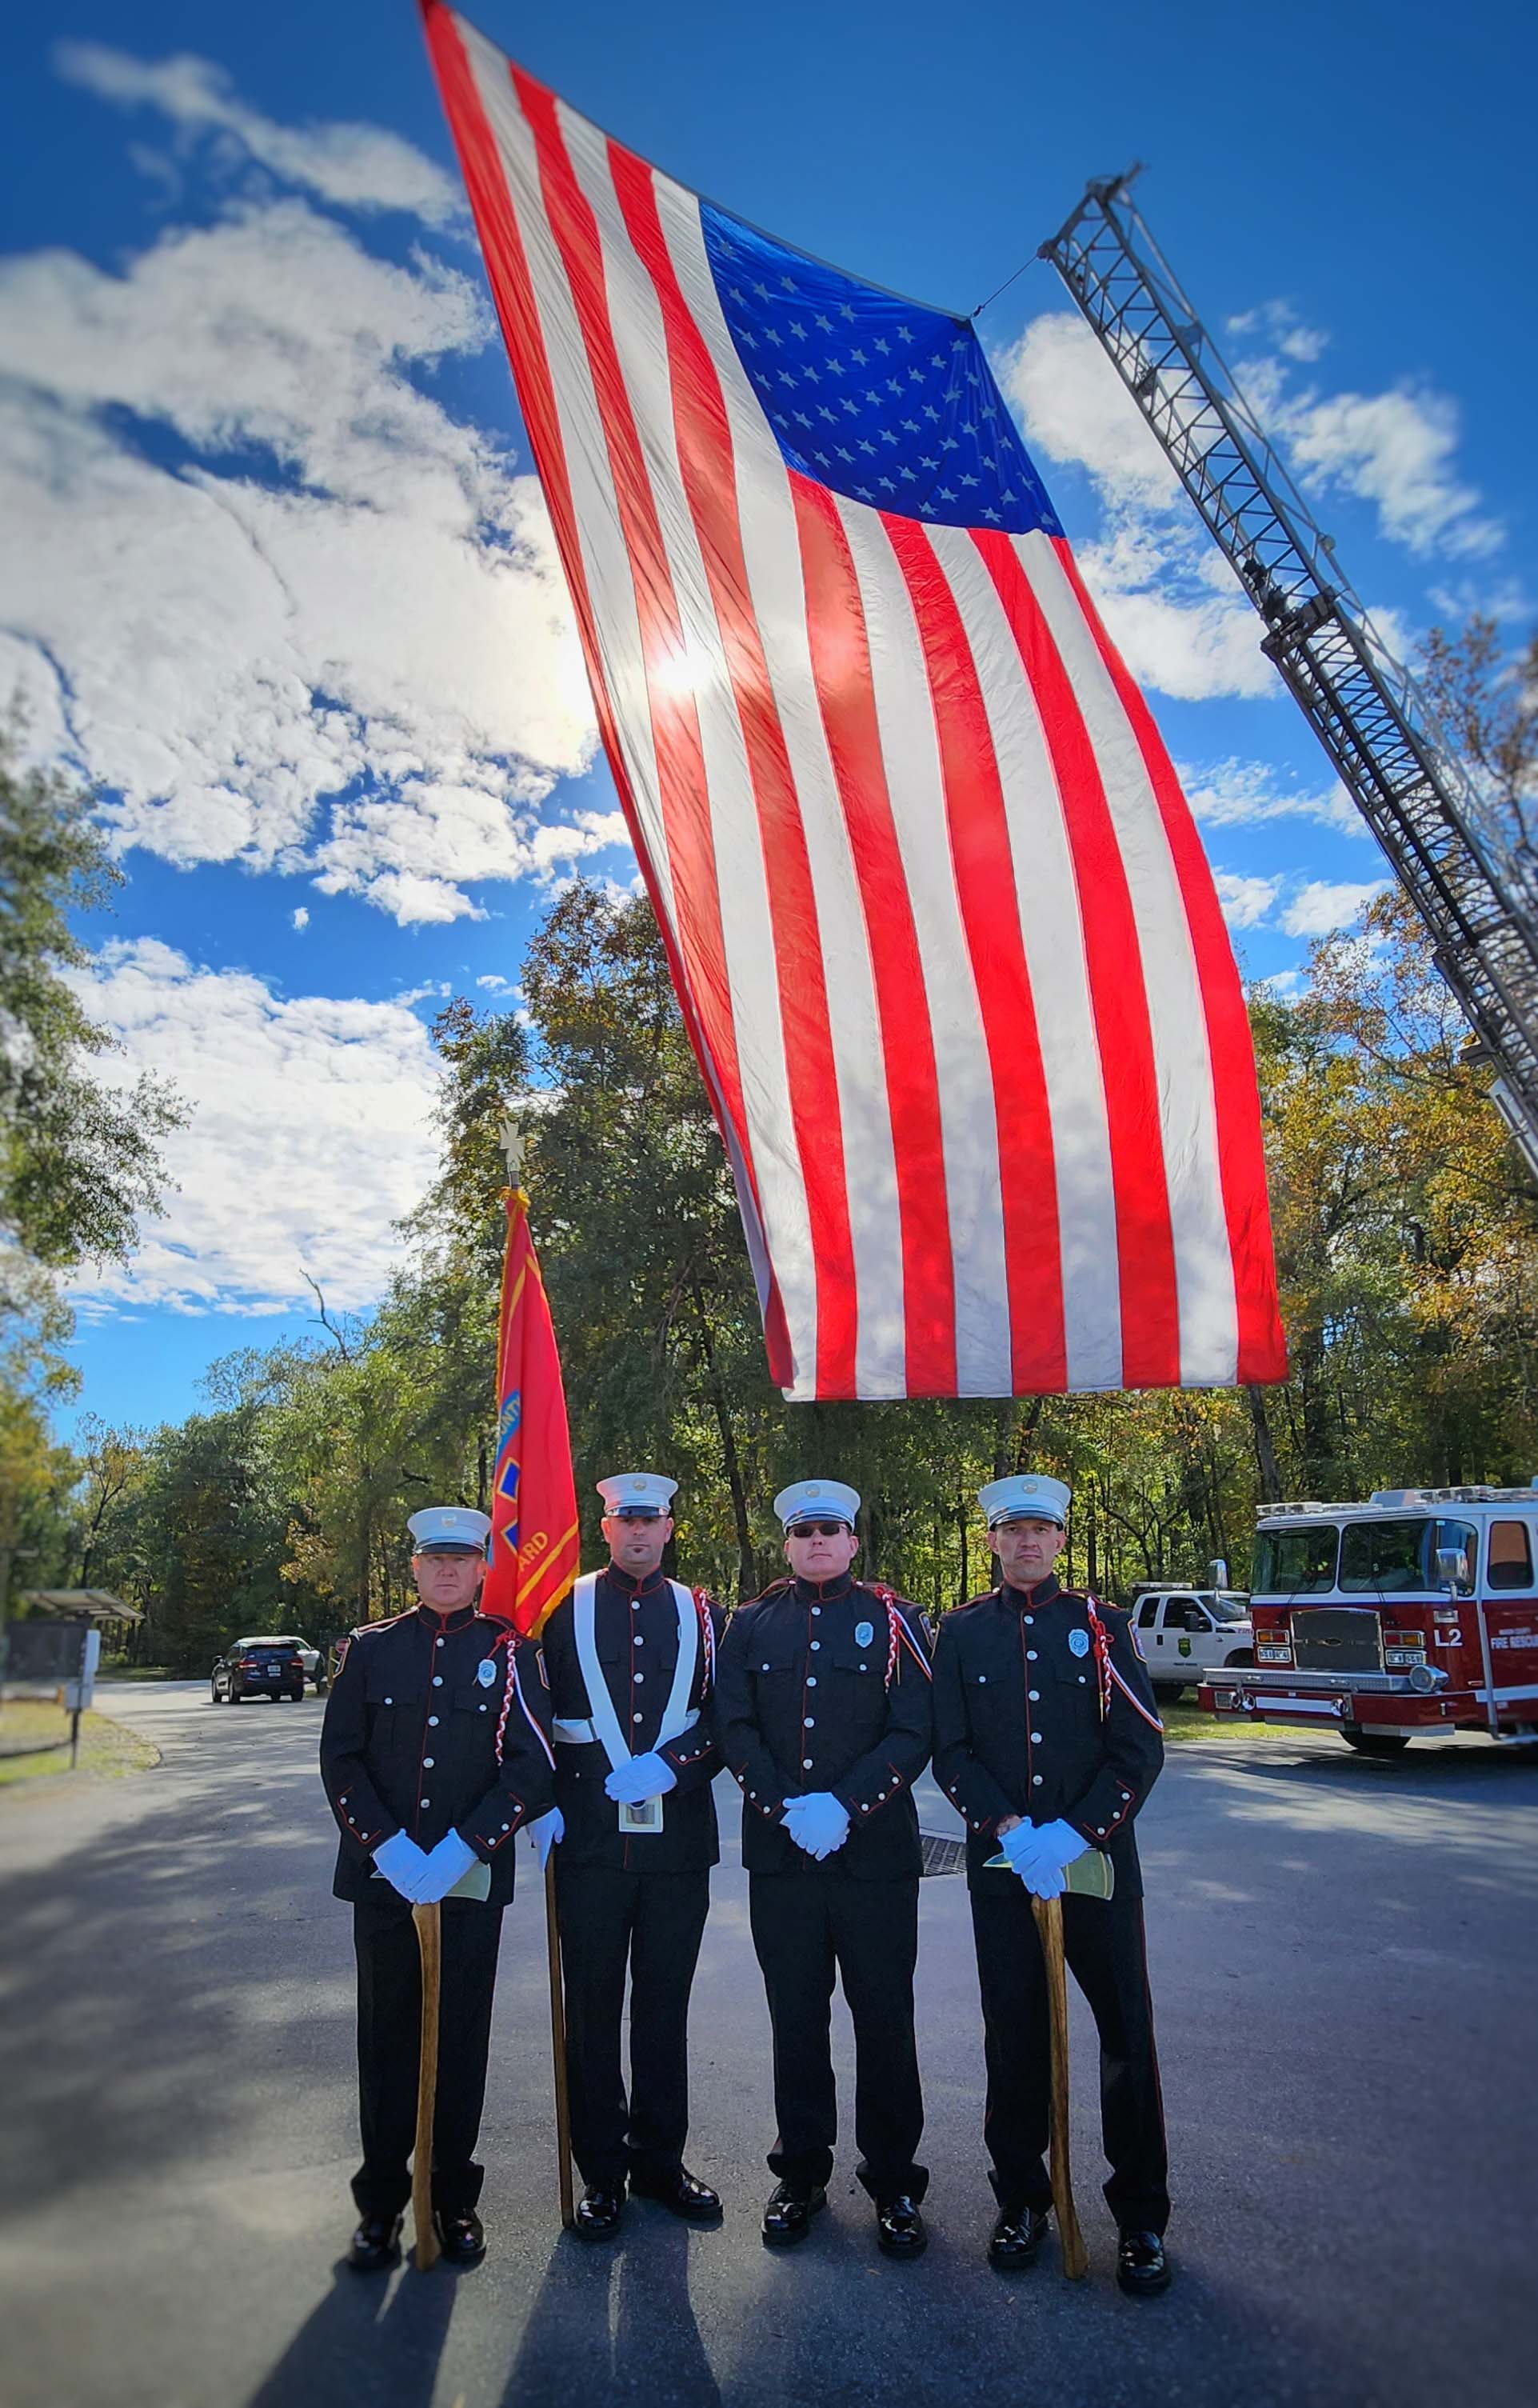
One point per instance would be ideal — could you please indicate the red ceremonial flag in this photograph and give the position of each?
(534, 1548)
(943, 936)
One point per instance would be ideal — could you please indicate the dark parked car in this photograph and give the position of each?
(259, 1668)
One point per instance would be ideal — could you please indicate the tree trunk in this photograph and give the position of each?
(1266, 1468)
(747, 1578)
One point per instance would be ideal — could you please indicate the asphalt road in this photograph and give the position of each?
(1343, 1971)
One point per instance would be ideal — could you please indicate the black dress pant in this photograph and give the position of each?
(390, 2043)
(1103, 1940)
(807, 1927)
(649, 1925)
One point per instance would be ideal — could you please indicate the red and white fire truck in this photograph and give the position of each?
(1414, 1614)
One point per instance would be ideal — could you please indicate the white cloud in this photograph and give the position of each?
(1173, 607)
(1244, 793)
(353, 166)
(1394, 450)
(310, 1132)
(1075, 407)
(1247, 900)
(300, 918)
(383, 613)
(1176, 610)
(1320, 907)
(1281, 326)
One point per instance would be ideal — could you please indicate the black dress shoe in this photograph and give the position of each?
(460, 2237)
(1142, 2266)
(680, 2192)
(375, 2245)
(599, 2210)
(787, 2217)
(900, 2228)
(1016, 2239)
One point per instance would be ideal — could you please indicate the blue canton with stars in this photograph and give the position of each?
(884, 401)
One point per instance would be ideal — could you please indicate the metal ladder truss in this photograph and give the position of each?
(1474, 888)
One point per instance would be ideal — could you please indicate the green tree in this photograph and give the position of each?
(78, 1160)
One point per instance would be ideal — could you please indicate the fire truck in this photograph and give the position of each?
(1412, 1615)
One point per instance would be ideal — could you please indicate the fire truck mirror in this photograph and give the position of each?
(1452, 1564)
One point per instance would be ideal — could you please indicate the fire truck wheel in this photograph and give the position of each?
(1168, 1693)
(1375, 1742)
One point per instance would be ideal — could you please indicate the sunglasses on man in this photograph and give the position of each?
(815, 1530)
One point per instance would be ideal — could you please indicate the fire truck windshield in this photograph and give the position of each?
(1386, 1556)
(1295, 1563)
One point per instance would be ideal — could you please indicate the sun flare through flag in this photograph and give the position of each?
(535, 1540)
(940, 927)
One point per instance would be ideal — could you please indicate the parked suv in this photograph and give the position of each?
(1186, 1633)
(259, 1668)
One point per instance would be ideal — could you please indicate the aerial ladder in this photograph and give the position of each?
(1474, 887)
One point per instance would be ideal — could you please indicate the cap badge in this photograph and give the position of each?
(863, 1634)
(486, 1672)
(1078, 1641)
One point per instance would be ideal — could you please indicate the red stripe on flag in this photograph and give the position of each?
(708, 469)
(841, 670)
(985, 887)
(697, 955)
(1240, 1150)
(1151, 1310)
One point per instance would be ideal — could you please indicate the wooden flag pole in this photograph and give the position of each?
(558, 2049)
(430, 1946)
(1075, 2257)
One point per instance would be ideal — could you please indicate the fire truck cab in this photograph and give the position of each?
(1414, 1614)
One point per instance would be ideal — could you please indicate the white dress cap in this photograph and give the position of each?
(818, 1500)
(1025, 1496)
(646, 1493)
(450, 1530)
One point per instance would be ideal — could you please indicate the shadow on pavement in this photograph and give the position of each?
(610, 2321)
(368, 2341)
(136, 1965)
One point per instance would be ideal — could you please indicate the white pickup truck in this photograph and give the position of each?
(1186, 1633)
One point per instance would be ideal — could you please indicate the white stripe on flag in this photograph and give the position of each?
(967, 1112)
(773, 554)
(1046, 892)
(636, 322)
(1209, 1329)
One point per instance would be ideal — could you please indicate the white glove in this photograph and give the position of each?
(402, 1863)
(643, 1777)
(448, 1863)
(547, 1833)
(1050, 1848)
(817, 1823)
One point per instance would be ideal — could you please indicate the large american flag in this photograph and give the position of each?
(940, 924)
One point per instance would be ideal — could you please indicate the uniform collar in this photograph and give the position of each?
(460, 1619)
(628, 1585)
(823, 1592)
(1020, 1598)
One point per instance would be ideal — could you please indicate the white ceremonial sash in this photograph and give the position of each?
(600, 1707)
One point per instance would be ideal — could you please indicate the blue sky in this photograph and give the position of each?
(277, 576)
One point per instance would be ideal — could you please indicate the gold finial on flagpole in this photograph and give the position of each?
(510, 1138)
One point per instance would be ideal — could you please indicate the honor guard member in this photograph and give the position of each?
(433, 1756)
(631, 1660)
(823, 1708)
(1047, 1738)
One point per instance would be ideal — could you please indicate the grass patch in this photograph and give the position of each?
(1186, 1721)
(135, 1673)
(107, 1749)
